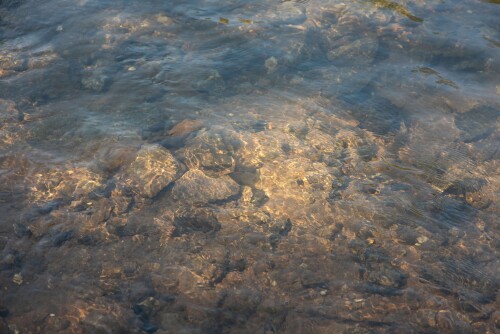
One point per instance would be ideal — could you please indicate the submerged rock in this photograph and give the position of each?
(197, 220)
(358, 52)
(153, 169)
(180, 133)
(212, 151)
(60, 238)
(52, 185)
(196, 187)
(297, 182)
(94, 79)
(186, 127)
(271, 65)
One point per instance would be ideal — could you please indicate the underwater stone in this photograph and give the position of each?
(298, 182)
(180, 133)
(186, 127)
(357, 52)
(195, 186)
(94, 79)
(60, 238)
(212, 151)
(195, 220)
(153, 169)
(271, 65)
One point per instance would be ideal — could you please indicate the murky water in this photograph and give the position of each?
(247, 166)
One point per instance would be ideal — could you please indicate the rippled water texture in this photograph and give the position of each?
(240, 166)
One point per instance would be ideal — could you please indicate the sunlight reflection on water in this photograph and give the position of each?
(245, 167)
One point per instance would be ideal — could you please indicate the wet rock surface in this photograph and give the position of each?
(153, 169)
(212, 151)
(195, 187)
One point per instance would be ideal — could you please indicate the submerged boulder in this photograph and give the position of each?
(213, 151)
(196, 187)
(153, 169)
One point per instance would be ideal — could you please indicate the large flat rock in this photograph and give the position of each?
(196, 187)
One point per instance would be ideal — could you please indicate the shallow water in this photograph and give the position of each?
(249, 166)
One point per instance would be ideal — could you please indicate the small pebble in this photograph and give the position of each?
(271, 64)
(132, 68)
(323, 292)
(422, 239)
(17, 279)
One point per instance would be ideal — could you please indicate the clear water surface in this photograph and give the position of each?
(242, 166)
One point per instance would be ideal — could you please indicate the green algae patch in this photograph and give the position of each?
(246, 21)
(425, 70)
(398, 8)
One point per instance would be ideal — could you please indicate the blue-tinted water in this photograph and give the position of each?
(249, 166)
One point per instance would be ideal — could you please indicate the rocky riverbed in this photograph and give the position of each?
(255, 167)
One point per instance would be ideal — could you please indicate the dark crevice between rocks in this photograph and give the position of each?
(280, 231)
(21, 230)
(377, 289)
(259, 197)
(144, 311)
(226, 267)
(102, 192)
(49, 206)
(4, 312)
(89, 240)
(316, 285)
(175, 142)
(62, 237)
(197, 221)
(165, 190)
(336, 231)
(135, 225)
(361, 253)
(16, 260)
